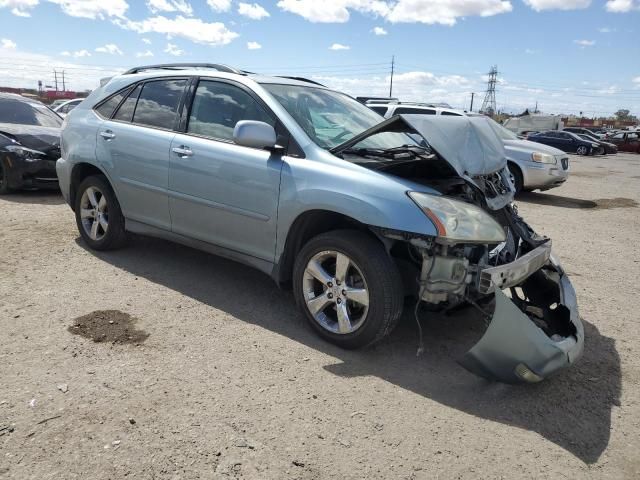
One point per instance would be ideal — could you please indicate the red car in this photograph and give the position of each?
(626, 141)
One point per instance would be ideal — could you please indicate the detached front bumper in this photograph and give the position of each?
(515, 348)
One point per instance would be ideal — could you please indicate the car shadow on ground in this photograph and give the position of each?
(35, 197)
(572, 409)
(554, 200)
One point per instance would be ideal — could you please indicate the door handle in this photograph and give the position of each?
(108, 135)
(182, 151)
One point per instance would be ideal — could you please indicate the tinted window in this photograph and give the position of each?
(451, 113)
(217, 107)
(380, 110)
(107, 108)
(25, 113)
(618, 135)
(125, 112)
(414, 111)
(632, 136)
(158, 103)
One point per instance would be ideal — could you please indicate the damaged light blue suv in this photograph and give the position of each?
(355, 212)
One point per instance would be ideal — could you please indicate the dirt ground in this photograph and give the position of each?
(208, 370)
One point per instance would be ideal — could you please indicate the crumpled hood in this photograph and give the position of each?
(30, 136)
(468, 144)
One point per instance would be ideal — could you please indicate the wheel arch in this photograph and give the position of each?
(79, 172)
(306, 226)
(512, 163)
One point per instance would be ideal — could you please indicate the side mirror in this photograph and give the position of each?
(250, 133)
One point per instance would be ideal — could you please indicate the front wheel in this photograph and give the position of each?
(98, 214)
(516, 177)
(4, 180)
(582, 150)
(348, 287)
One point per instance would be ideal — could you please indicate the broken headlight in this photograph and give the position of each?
(459, 222)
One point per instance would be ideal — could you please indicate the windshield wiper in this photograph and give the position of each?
(403, 151)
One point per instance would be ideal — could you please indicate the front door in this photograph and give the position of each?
(220, 192)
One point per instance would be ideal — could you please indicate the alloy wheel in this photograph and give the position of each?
(94, 213)
(582, 150)
(335, 292)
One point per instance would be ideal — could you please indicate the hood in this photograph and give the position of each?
(527, 146)
(468, 144)
(31, 136)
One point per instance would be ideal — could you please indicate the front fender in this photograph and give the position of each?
(369, 197)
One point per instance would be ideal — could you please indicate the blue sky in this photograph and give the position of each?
(568, 55)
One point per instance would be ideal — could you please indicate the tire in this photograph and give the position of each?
(4, 180)
(97, 207)
(582, 150)
(516, 177)
(370, 270)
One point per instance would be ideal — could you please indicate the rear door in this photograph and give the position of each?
(136, 142)
(632, 143)
(220, 192)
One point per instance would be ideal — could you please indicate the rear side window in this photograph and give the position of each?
(414, 111)
(451, 114)
(106, 109)
(158, 103)
(125, 112)
(217, 107)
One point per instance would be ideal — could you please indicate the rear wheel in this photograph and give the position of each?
(582, 150)
(348, 287)
(98, 214)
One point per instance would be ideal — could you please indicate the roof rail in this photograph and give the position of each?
(181, 66)
(377, 99)
(301, 79)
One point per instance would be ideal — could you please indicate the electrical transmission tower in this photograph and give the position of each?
(489, 103)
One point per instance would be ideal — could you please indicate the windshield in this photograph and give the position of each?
(502, 132)
(24, 113)
(331, 118)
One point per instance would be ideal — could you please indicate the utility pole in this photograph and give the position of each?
(393, 61)
(471, 108)
(64, 87)
(55, 76)
(489, 103)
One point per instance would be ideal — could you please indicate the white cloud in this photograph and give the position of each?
(147, 41)
(181, 6)
(339, 46)
(193, 29)
(110, 48)
(20, 8)
(77, 54)
(610, 90)
(622, 6)
(6, 44)
(253, 46)
(445, 12)
(219, 5)
(529, 51)
(540, 5)
(585, 43)
(379, 31)
(607, 30)
(93, 8)
(146, 53)
(636, 80)
(252, 11)
(173, 49)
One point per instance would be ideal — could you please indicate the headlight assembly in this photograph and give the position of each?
(543, 158)
(26, 154)
(459, 222)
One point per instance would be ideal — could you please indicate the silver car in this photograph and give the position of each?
(319, 192)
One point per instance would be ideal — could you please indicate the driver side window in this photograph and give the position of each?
(218, 106)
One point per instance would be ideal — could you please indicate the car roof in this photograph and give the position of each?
(15, 96)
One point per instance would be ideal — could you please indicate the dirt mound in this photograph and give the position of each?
(108, 326)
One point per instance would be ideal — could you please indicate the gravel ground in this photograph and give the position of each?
(204, 369)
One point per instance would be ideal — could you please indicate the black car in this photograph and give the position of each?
(579, 130)
(607, 147)
(566, 141)
(29, 144)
